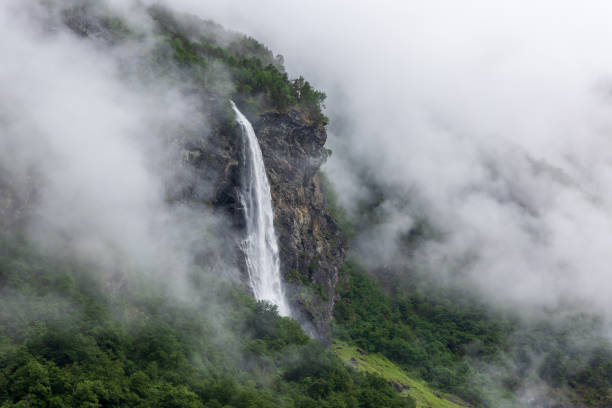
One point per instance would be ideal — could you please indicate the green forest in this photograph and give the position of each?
(66, 342)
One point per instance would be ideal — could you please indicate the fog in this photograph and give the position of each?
(91, 138)
(490, 122)
(494, 118)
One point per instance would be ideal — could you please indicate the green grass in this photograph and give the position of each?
(375, 363)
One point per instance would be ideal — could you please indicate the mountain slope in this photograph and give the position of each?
(85, 322)
(424, 396)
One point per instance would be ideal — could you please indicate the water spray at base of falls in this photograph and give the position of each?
(260, 246)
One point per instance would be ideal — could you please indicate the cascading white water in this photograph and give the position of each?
(260, 246)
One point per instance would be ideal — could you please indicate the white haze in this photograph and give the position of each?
(495, 116)
(90, 138)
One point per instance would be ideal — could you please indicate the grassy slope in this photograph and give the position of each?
(375, 363)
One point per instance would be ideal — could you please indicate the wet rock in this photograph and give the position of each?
(311, 245)
(398, 387)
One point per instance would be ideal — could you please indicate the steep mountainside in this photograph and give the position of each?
(112, 324)
(213, 66)
(311, 245)
(156, 309)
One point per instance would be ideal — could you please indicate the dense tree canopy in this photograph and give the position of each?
(65, 341)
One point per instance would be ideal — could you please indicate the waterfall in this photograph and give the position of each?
(260, 246)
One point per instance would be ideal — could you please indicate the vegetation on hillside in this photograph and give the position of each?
(199, 55)
(71, 336)
(424, 336)
(375, 363)
(255, 76)
(458, 344)
(67, 341)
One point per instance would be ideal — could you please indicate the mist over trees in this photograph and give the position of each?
(114, 289)
(469, 180)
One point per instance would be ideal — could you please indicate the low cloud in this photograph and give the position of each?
(99, 141)
(496, 117)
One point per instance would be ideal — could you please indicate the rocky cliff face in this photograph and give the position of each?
(311, 245)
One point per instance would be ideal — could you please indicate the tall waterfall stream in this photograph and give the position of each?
(260, 245)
